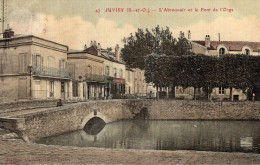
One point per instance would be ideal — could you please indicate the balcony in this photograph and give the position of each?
(50, 72)
(95, 78)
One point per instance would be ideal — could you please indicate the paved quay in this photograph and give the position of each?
(16, 151)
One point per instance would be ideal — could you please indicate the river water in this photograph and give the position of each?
(227, 136)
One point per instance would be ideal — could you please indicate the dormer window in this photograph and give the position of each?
(247, 51)
(221, 51)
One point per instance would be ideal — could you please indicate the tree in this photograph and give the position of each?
(239, 71)
(158, 41)
(157, 70)
(207, 72)
(193, 71)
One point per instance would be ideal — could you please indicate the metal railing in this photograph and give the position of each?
(53, 72)
(95, 78)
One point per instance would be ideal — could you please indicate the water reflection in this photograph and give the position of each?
(227, 136)
(94, 126)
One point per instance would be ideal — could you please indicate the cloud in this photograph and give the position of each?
(75, 31)
(230, 29)
(72, 31)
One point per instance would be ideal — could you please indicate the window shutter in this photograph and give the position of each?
(41, 61)
(33, 60)
(20, 62)
(25, 63)
(60, 63)
(66, 65)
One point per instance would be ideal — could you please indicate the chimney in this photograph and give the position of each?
(95, 44)
(85, 47)
(117, 52)
(218, 36)
(189, 35)
(207, 41)
(98, 46)
(8, 33)
(109, 50)
(99, 49)
(181, 35)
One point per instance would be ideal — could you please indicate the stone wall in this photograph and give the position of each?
(202, 110)
(73, 117)
(27, 104)
(69, 118)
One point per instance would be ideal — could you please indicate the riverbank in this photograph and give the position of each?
(16, 151)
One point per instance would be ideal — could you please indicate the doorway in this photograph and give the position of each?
(62, 90)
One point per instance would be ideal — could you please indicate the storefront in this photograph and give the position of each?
(118, 88)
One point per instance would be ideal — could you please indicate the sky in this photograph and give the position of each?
(78, 22)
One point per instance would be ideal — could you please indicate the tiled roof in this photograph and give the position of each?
(93, 51)
(21, 36)
(232, 45)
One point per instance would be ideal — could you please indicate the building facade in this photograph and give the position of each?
(115, 72)
(33, 68)
(97, 73)
(87, 73)
(140, 85)
(129, 77)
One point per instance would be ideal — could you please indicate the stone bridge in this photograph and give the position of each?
(46, 122)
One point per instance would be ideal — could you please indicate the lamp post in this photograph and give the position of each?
(30, 68)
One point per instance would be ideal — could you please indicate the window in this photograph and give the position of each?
(38, 61)
(129, 76)
(23, 63)
(62, 87)
(221, 91)
(94, 70)
(84, 90)
(121, 73)
(115, 72)
(129, 90)
(51, 88)
(107, 70)
(89, 70)
(222, 51)
(51, 61)
(247, 51)
(75, 88)
(100, 71)
(62, 64)
(37, 89)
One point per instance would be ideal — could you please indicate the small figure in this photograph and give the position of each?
(59, 103)
(253, 98)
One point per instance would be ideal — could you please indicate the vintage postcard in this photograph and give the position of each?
(129, 82)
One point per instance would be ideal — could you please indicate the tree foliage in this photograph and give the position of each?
(157, 70)
(158, 40)
(233, 71)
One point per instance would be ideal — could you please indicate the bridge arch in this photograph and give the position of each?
(92, 115)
